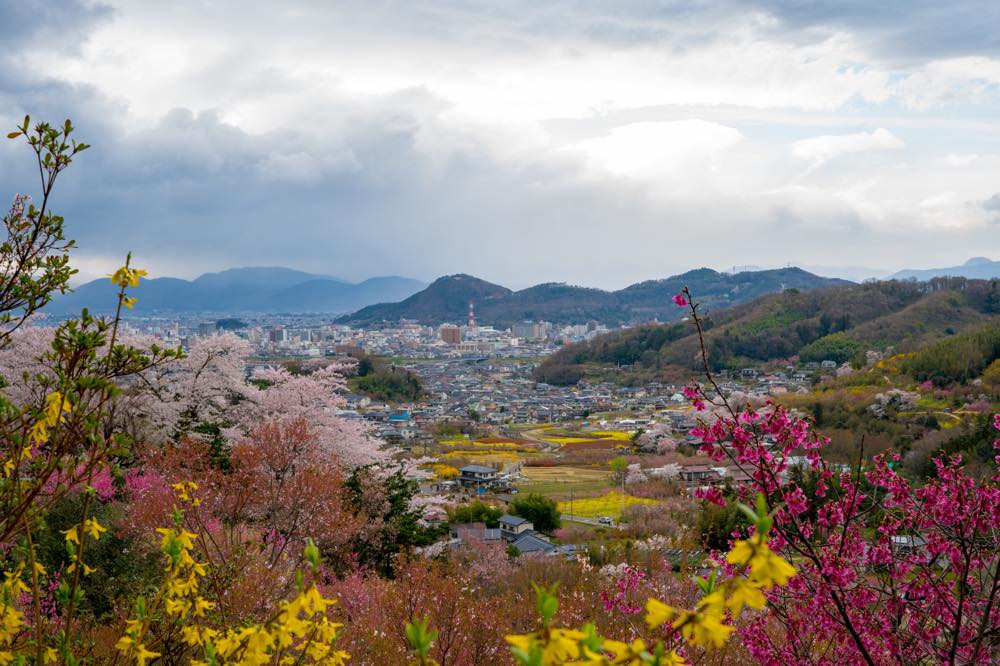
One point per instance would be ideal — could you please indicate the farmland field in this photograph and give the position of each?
(607, 505)
(560, 481)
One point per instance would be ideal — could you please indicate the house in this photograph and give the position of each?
(908, 544)
(532, 542)
(512, 527)
(475, 532)
(477, 475)
(568, 550)
(695, 475)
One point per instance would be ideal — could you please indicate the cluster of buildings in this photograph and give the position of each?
(315, 336)
(517, 533)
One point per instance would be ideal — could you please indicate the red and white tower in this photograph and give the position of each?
(472, 314)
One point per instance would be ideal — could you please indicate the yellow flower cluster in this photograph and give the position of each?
(11, 619)
(445, 471)
(184, 491)
(705, 625)
(300, 632)
(56, 407)
(708, 625)
(554, 647)
(127, 276)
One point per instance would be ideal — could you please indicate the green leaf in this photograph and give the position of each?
(312, 553)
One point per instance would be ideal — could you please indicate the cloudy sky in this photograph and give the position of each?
(597, 143)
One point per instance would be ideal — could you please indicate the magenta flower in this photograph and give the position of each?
(679, 300)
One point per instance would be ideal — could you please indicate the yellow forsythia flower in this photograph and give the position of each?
(142, 655)
(55, 406)
(746, 594)
(705, 629)
(658, 613)
(126, 276)
(766, 568)
(93, 528)
(563, 645)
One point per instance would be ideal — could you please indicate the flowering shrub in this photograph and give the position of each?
(887, 571)
(755, 569)
(299, 631)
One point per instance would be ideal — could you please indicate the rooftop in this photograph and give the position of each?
(513, 521)
(477, 469)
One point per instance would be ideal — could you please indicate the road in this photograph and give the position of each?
(591, 521)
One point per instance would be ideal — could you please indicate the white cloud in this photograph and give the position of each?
(828, 147)
(677, 153)
(950, 81)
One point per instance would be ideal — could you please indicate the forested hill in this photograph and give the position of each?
(836, 323)
(447, 299)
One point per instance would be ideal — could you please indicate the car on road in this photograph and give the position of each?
(605, 520)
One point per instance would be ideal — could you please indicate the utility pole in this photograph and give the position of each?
(622, 514)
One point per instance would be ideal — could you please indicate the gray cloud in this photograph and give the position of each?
(66, 24)
(364, 183)
(900, 29)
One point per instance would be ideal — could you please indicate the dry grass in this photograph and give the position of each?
(561, 481)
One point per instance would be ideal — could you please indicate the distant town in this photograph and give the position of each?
(469, 371)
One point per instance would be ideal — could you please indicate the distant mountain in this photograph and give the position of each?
(835, 323)
(259, 289)
(260, 276)
(447, 299)
(979, 268)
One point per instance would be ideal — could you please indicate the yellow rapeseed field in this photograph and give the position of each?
(607, 505)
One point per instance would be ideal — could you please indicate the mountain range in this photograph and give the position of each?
(389, 299)
(980, 268)
(838, 323)
(447, 299)
(256, 289)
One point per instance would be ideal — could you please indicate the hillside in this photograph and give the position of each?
(270, 289)
(835, 323)
(447, 299)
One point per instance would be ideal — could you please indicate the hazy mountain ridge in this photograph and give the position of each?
(447, 299)
(979, 268)
(254, 289)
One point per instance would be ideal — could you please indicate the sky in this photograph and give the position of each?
(595, 143)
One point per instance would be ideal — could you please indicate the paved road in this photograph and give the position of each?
(535, 435)
(590, 521)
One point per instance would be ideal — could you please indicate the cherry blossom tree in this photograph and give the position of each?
(316, 398)
(208, 396)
